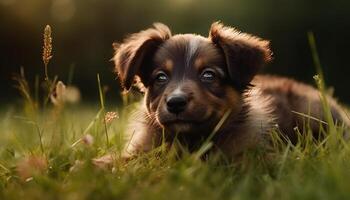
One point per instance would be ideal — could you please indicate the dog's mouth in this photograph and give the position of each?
(180, 124)
(186, 121)
(179, 121)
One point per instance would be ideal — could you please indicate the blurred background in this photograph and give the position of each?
(83, 32)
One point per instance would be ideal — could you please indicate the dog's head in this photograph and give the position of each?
(190, 80)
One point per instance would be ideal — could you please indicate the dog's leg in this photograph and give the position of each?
(141, 137)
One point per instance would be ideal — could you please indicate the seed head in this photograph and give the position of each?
(47, 48)
(88, 139)
(110, 116)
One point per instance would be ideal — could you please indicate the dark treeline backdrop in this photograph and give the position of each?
(83, 31)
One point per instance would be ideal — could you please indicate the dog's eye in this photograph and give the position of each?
(208, 75)
(161, 77)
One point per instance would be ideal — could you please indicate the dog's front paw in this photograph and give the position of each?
(104, 162)
(107, 161)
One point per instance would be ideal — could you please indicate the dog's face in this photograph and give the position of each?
(190, 80)
(188, 87)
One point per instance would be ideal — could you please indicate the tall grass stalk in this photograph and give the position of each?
(90, 125)
(321, 85)
(40, 138)
(207, 144)
(23, 87)
(103, 108)
(51, 85)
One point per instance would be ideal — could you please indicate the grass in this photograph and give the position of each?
(46, 152)
(308, 170)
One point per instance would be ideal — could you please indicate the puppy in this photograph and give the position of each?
(196, 87)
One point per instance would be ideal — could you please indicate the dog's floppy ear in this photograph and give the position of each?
(245, 54)
(133, 57)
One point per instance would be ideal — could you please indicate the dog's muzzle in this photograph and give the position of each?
(176, 103)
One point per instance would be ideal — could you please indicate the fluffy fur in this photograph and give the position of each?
(211, 76)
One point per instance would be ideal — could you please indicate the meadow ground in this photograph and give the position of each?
(46, 152)
(50, 158)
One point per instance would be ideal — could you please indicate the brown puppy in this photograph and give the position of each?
(192, 82)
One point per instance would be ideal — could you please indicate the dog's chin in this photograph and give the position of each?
(186, 126)
(179, 126)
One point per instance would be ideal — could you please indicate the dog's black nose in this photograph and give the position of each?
(176, 104)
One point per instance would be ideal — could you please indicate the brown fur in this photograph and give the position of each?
(213, 75)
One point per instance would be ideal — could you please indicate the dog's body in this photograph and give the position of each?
(193, 83)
